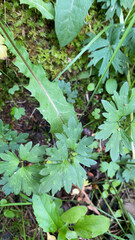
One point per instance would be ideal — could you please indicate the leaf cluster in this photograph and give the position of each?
(66, 89)
(64, 161)
(115, 128)
(18, 177)
(102, 50)
(9, 139)
(126, 171)
(115, 6)
(70, 224)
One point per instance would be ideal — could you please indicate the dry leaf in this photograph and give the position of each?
(50, 237)
(3, 49)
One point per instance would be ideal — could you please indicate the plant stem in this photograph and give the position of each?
(24, 233)
(84, 49)
(114, 236)
(111, 211)
(15, 204)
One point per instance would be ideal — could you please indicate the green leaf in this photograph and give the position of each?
(92, 226)
(9, 213)
(96, 114)
(130, 38)
(111, 85)
(115, 6)
(9, 164)
(25, 180)
(118, 213)
(69, 18)
(64, 166)
(71, 235)
(91, 87)
(102, 50)
(13, 89)
(133, 130)
(46, 9)
(46, 213)
(115, 127)
(114, 145)
(126, 139)
(6, 188)
(66, 89)
(53, 105)
(17, 112)
(73, 214)
(62, 232)
(111, 168)
(34, 155)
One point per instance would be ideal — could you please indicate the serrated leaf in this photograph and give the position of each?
(113, 145)
(126, 139)
(106, 130)
(9, 164)
(6, 188)
(53, 105)
(111, 168)
(30, 154)
(66, 89)
(46, 213)
(115, 6)
(73, 214)
(69, 18)
(64, 166)
(104, 166)
(103, 49)
(92, 226)
(46, 9)
(24, 180)
(130, 38)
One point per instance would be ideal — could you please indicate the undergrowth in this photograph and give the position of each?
(82, 77)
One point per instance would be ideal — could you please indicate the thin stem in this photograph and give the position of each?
(35, 232)
(114, 236)
(83, 51)
(24, 233)
(111, 211)
(15, 204)
(5, 74)
(129, 13)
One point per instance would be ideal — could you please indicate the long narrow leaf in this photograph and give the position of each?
(53, 105)
(46, 9)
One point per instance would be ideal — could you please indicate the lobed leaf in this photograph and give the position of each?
(25, 179)
(30, 154)
(9, 164)
(53, 105)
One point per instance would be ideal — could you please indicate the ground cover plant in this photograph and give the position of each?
(77, 180)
